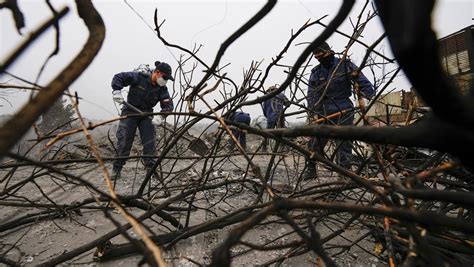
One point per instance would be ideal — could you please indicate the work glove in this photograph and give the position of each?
(365, 101)
(117, 96)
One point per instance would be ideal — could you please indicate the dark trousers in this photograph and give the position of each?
(239, 135)
(126, 134)
(344, 147)
(270, 125)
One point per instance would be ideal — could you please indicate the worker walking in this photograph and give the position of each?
(329, 92)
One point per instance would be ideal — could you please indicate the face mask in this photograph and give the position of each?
(327, 61)
(160, 81)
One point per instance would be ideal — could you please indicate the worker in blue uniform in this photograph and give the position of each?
(240, 135)
(329, 91)
(146, 89)
(273, 109)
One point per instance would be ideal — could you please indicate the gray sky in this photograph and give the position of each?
(129, 42)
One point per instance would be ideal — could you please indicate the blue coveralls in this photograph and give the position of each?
(144, 96)
(239, 117)
(336, 98)
(273, 110)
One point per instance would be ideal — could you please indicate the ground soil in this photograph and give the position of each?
(37, 242)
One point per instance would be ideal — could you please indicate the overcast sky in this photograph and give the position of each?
(129, 42)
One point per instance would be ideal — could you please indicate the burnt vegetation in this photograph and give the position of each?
(409, 190)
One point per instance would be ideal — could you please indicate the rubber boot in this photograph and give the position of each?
(310, 172)
(116, 173)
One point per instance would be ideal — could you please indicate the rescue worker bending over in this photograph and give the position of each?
(146, 90)
(239, 117)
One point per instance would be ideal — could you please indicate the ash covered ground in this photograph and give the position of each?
(48, 214)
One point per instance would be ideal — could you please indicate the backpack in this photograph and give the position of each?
(143, 68)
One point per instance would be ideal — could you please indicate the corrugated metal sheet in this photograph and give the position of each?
(457, 63)
(454, 52)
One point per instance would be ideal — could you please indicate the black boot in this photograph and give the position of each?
(265, 145)
(310, 172)
(116, 173)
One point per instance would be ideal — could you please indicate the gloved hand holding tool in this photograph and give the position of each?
(117, 96)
